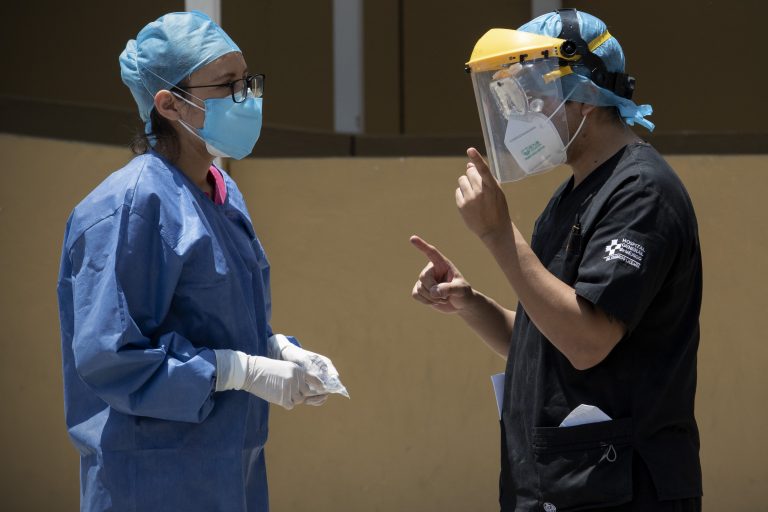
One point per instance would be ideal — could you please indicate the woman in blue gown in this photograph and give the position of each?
(168, 355)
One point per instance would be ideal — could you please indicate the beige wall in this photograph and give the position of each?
(421, 431)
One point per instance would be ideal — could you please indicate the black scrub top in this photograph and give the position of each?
(626, 240)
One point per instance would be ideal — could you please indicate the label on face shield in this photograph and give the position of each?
(534, 142)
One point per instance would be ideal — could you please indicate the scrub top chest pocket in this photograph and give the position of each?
(571, 254)
(585, 466)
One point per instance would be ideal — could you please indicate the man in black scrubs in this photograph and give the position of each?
(609, 289)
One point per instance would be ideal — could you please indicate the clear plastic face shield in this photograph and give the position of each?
(521, 105)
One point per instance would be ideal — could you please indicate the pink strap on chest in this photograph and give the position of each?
(219, 187)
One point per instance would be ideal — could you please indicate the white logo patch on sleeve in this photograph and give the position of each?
(625, 250)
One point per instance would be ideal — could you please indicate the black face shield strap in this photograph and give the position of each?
(620, 84)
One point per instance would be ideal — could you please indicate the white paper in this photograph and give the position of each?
(584, 414)
(498, 389)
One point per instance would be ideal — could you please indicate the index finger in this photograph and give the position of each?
(435, 256)
(479, 162)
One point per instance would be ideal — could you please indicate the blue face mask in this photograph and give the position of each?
(230, 129)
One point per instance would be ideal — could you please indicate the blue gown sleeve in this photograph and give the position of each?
(123, 278)
(264, 263)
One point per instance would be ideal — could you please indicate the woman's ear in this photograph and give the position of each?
(166, 105)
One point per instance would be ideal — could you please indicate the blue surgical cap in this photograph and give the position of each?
(167, 51)
(578, 86)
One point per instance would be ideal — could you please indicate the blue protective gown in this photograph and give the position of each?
(154, 276)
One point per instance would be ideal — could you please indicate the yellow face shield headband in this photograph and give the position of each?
(500, 48)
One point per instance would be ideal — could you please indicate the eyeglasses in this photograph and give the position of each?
(239, 87)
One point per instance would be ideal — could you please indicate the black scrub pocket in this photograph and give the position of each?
(583, 467)
(572, 258)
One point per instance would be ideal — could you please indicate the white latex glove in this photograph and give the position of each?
(316, 365)
(279, 382)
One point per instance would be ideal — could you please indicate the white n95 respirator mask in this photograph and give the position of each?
(535, 143)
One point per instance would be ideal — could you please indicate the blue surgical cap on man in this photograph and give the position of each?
(167, 51)
(579, 86)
